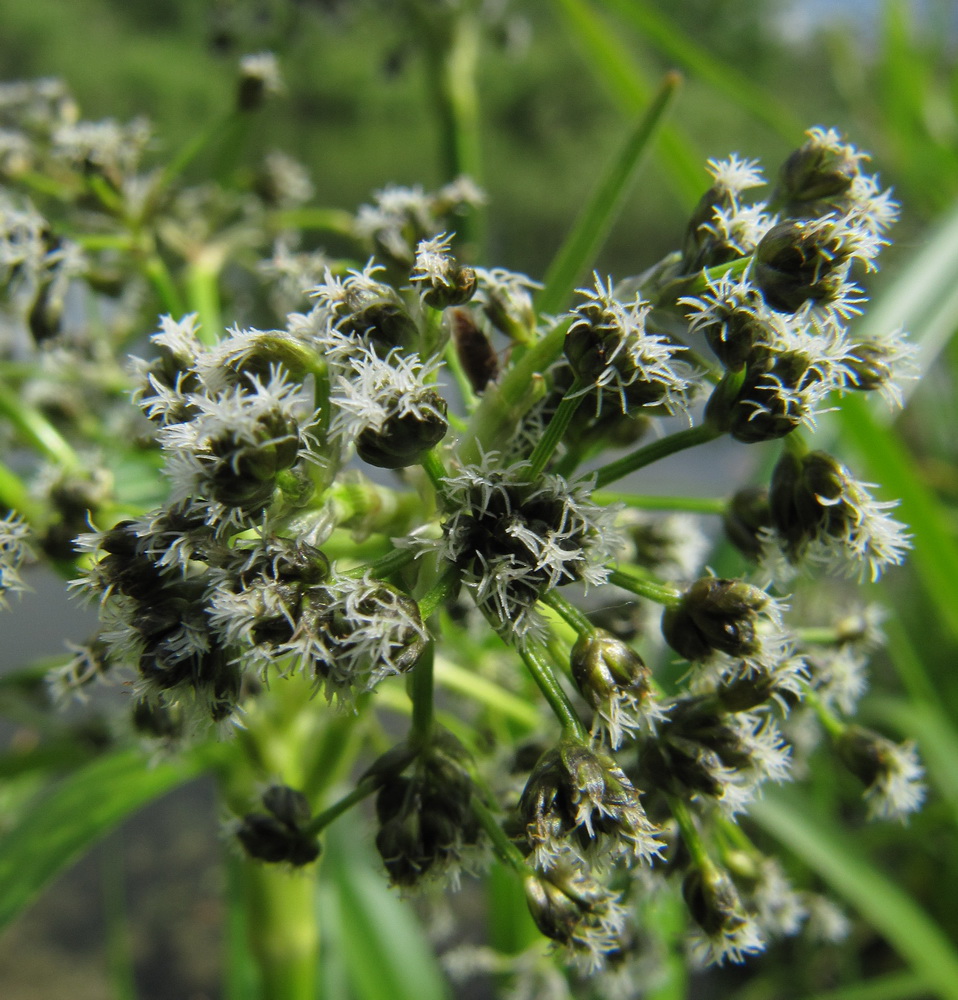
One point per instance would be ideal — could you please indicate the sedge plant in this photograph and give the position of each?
(305, 492)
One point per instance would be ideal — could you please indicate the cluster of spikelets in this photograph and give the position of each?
(215, 594)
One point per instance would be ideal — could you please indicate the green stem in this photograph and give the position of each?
(158, 275)
(187, 153)
(451, 52)
(569, 612)
(438, 592)
(552, 435)
(654, 451)
(654, 590)
(15, 496)
(690, 834)
(542, 673)
(691, 505)
(503, 406)
(36, 430)
(422, 690)
(830, 722)
(436, 471)
(820, 635)
(321, 820)
(202, 288)
(330, 220)
(505, 849)
(283, 930)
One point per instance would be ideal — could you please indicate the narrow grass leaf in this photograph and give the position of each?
(839, 861)
(886, 460)
(385, 951)
(616, 67)
(922, 298)
(672, 42)
(592, 226)
(76, 812)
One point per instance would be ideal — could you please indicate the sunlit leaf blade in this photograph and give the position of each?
(886, 460)
(385, 951)
(599, 213)
(671, 41)
(832, 855)
(616, 67)
(922, 298)
(62, 823)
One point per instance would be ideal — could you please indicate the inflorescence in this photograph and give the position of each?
(249, 565)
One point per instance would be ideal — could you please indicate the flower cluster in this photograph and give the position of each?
(316, 515)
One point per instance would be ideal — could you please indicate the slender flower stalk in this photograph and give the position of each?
(642, 457)
(538, 665)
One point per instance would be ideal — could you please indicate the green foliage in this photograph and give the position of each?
(357, 114)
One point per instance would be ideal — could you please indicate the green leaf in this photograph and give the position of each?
(384, 949)
(66, 820)
(922, 298)
(886, 460)
(839, 861)
(599, 213)
(671, 41)
(617, 68)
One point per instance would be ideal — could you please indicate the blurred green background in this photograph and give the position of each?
(560, 82)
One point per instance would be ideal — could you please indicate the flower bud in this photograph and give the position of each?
(871, 364)
(125, 568)
(608, 345)
(580, 792)
(734, 328)
(440, 279)
(804, 498)
(282, 835)
(382, 322)
(771, 400)
(713, 900)
(405, 435)
(820, 170)
(715, 615)
(259, 76)
(556, 913)
(266, 838)
(426, 818)
(797, 262)
(156, 719)
(46, 314)
(603, 668)
(745, 519)
(701, 248)
(475, 352)
(890, 772)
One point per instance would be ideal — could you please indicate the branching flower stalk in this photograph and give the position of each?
(285, 524)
